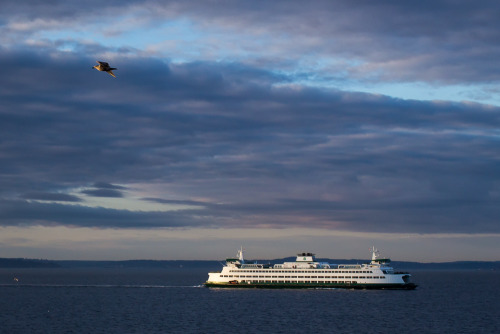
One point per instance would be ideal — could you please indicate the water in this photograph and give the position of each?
(173, 301)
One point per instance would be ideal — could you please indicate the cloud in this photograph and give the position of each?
(103, 189)
(242, 145)
(42, 196)
(104, 185)
(22, 213)
(102, 193)
(176, 201)
(433, 42)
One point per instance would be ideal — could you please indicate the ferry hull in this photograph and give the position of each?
(361, 286)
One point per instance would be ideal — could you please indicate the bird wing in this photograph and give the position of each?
(111, 73)
(103, 63)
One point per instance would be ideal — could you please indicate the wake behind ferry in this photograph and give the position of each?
(306, 272)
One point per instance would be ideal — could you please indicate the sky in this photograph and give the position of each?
(283, 126)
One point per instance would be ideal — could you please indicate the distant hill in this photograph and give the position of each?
(27, 263)
(214, 265)
(407, 265)
(140, 264)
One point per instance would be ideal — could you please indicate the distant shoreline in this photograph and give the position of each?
(400, 265)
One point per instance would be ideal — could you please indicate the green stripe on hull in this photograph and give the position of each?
(407, 286)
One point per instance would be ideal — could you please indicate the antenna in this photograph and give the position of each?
(240, 255)
(375, 253)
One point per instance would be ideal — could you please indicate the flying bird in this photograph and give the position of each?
(103, 66)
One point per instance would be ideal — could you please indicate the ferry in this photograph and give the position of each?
(306, 272)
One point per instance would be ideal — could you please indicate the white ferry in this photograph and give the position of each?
(306, 272)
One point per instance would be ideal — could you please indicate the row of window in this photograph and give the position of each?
(323, 282)
(335, 277)
(303, 271)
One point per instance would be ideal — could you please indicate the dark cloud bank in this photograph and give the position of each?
(260, 152)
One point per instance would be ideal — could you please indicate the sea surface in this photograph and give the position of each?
(124, 300)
